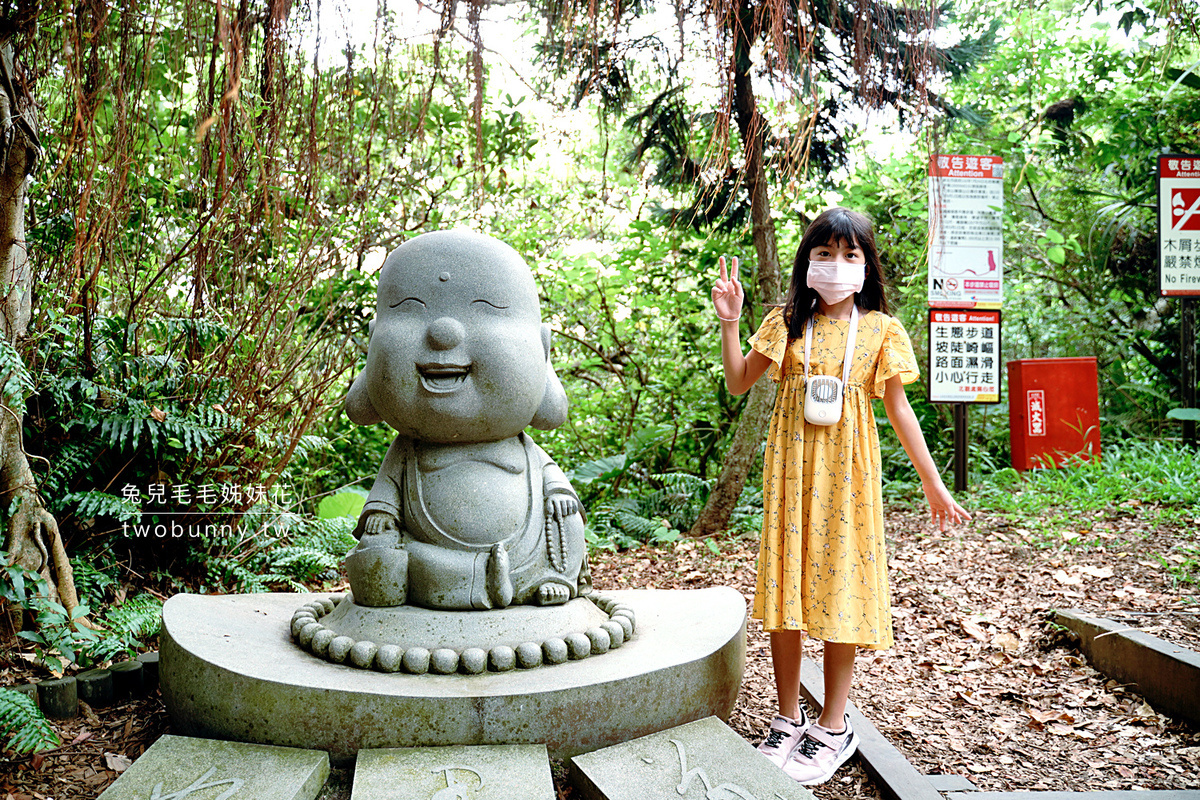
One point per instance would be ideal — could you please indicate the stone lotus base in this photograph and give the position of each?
(420, 640)
(230, 670)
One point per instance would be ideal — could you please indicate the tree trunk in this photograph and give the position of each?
(752, 424)
(32, 539)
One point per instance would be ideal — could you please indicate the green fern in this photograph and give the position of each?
(16, 383)
(284, 549)
(656, 515)
(139, 616)
(637, 525)
(93, 576)
(304, 563)
(26, 730)
(747, 516)
(207, 333)
(683, 482)
(309, 444)
(75, 458)
(86, 505)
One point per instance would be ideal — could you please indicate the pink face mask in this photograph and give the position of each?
(835, 280)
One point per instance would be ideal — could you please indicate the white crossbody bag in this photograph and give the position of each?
(823, 393)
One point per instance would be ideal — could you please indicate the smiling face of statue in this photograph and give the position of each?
(456, 352)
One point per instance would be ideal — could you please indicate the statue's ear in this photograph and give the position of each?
(359, 407)
(553, 409)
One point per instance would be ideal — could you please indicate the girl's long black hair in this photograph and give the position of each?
(831, 227)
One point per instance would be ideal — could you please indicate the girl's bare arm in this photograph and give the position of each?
(904, 420)
(741, 371)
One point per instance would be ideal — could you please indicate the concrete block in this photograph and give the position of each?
(59, 698)
(149, 662)
(1167, 675)
(27, 689)
(127, 680)
(95, 687)
(231, 671)
(494, 772)
(704, 758)
(178, 766)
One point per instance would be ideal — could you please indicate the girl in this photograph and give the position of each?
(821, 565)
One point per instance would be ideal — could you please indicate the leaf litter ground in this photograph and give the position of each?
(977, 685)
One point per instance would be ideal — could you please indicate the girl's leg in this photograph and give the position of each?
(839, 673)
(786, 653)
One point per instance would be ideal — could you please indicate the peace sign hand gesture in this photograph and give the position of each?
(727, 293)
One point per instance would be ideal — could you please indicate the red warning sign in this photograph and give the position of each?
(1179, 225)
(1185, 210)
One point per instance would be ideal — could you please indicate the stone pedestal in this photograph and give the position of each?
(229, 670)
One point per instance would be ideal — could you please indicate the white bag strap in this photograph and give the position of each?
(850, 338)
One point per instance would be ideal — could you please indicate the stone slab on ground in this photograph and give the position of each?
(1167, 675)
(179, 766)
(702, 759)
(491, 772)
(229, 670)
(952, 783)
(1159, 794)
(893, 774)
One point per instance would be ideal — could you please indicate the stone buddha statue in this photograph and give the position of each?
(466, 512)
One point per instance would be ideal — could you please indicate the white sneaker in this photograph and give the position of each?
(783, 737)
(820, 753)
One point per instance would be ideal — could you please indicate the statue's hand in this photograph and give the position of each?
(376, 523)
(561, 506)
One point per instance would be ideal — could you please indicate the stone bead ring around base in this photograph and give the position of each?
(319, 640)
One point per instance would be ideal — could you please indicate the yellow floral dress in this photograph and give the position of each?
(821, 564)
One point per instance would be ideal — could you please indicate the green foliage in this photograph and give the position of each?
(139, 411)
(1080, 117)
(195, 316)
(96, 504)
(58, 640)
(127, 626)
(638, 353)
(346, 503)
(15, 381)
(95, 578)
(1184, 564)
(274, 549)
(1156, 472)
(661, 510)
(22, 725)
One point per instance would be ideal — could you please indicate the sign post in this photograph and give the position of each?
(1179, 261)
(966, 274)
(1187, 335)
